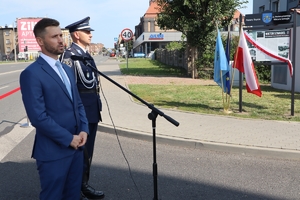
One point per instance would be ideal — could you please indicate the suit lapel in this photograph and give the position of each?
(48, 69)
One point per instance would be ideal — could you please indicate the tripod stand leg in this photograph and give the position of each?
(152, 116)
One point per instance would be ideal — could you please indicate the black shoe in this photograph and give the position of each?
(90, 192)
(83, 197)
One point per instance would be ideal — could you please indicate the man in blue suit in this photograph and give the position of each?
(88, 87)
(54, 107)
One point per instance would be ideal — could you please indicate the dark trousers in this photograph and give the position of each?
(89, 151)
(61, 179)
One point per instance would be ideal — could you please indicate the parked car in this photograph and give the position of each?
(112, 54)
(3, 57)
(11, 56)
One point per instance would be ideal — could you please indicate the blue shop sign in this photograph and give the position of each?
(158, 36)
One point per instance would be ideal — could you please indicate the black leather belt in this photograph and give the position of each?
(87, 91)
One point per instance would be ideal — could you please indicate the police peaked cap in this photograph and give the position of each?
(80, 25)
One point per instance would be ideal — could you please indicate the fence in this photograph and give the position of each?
(174, 58)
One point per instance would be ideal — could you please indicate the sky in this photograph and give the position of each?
(248, 8)
(108, 17)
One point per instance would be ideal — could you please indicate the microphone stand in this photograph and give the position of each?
(151, 116)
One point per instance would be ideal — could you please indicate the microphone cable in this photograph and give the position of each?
(117, 135)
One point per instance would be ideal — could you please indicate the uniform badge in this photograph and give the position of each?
(67, 61)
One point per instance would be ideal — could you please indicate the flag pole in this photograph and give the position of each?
(227, 106)
(221, 76)
(222, 90)
(234, 65)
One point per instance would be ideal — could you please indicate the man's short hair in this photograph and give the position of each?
(39, 28)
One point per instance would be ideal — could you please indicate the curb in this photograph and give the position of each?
(197, 144)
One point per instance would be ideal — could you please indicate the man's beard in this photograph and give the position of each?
(53, 50)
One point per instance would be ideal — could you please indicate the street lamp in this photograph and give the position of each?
(14, 43)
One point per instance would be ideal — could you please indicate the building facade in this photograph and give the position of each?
(148, 36)
(25, 48)
(96, 48)
(8, 42)
(260, 6)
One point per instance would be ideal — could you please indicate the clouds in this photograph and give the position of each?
(108, 17)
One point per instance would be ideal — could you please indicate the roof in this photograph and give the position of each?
(237, 14)
(152, 10)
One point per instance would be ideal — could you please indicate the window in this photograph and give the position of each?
(7, 41)
(275, 6)
(261, 9)
(8, 50)
(6, 33)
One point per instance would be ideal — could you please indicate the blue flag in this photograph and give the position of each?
(227, 75)
(221, 65)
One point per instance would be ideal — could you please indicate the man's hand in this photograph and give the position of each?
(79, 140)
(83, 136)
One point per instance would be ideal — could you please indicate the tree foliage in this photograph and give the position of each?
(197, 20)
(175, 46)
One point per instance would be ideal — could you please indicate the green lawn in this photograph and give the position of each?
(273, 105)
(145, 66)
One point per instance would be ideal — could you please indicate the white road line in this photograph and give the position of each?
(3, 87)
(11, 72)
(10, 140)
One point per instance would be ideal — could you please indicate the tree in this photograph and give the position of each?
(197, 20)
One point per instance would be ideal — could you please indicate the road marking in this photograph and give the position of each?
(11, 72)
(9, 93)
(3, 87)
(10, 140)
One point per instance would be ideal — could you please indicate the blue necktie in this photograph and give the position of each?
(64, 77)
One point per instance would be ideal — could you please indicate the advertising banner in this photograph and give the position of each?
(26, 37)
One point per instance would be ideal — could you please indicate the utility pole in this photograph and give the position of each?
(14, 42)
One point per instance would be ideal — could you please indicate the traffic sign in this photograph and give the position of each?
(126, 34)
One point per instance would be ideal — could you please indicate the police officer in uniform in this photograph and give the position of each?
(88, 87)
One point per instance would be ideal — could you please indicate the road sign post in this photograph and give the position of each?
(126, 35)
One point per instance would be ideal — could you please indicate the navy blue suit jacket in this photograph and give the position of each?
(51, 111)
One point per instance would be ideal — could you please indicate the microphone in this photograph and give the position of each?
(81, 58)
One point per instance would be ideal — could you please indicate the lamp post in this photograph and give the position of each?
(25, 50)
(14, 43)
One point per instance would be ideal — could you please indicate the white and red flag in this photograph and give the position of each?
(244, 64)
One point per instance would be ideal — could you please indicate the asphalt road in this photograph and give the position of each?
(123, 168)
(11, 106)
(183, 173)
